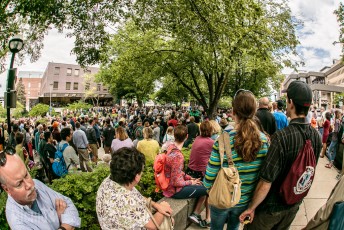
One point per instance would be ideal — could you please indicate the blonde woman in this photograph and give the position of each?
(169, 136)
(148, 146)
(216, 130)
(122, 140)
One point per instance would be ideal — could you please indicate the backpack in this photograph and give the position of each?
(161, 180)
(301, 174)
(226, 190)
(59, 166)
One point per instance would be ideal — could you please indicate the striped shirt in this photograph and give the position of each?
(248, 171)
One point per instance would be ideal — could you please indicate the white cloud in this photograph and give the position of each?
(319, 32)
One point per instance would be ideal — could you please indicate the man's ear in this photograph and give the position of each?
(5, 188)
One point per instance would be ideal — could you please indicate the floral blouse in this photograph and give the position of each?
(118, 208)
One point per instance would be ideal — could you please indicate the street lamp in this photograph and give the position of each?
(15, 45)
(50, 109)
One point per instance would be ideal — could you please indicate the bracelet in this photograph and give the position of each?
(61, 228)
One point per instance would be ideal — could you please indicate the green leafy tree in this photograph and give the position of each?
(90, 88)
(39, 110)
(18, 111)
(171, 92)
(79, 105)
(340, 17)
(206, 45)
(21, 97)
(88, 21)
(129, 70)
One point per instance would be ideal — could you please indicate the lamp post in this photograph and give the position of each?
(50, 109)
(15, 45)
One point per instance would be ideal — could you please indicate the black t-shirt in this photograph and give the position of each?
(49, 151)
(108, 134)
(193, 130)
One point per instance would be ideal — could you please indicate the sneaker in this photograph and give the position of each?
(195, 218)
(204, 224)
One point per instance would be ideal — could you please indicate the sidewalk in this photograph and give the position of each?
(325, 180)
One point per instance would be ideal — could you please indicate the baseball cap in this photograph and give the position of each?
(300, 93)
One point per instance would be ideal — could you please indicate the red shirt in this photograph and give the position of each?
(173, 122)
(200, 153)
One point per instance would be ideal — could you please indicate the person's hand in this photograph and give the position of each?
(196, 181)
(164, 208)
(247, 212)
(60, 206)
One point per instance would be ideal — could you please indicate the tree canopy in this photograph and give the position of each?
(20, 88)
(340, 17)
(208, 47)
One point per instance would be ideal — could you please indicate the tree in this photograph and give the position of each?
(90, 89)
(21, 92)
(18, 111)
(39, 110)
(208, 45)
(128, 69)
(88, 21)
(79, 105)
(171, 92)
(340, 17)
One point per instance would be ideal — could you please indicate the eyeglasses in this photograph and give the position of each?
(9, 151)
(240, 91)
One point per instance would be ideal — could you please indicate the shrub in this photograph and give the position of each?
(3, 221)
(82, 189)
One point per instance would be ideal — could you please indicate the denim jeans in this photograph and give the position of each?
(219, 217)
(332, 150)
(191, 191)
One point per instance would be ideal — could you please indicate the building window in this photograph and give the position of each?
(87, 86)
(56, 85)
(98, 87)
(68, 84)
(29, 84)
(104, 89)
(75, 86)
(57, 71)
(76, 72)
(69, 71)
(28, 93)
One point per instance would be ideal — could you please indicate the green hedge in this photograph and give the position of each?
(82, 189)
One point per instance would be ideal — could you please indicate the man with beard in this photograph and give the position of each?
(30, 203)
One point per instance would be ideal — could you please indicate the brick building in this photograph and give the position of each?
(67, 83)
(32, 83)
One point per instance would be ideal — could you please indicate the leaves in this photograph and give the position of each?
(39, 110)
(20, 88)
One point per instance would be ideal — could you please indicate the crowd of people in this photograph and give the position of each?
(265, 139)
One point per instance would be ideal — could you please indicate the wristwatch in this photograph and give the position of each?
(61, 228)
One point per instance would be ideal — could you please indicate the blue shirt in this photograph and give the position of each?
(22, 217)
(96, 128)
(281, 120)
(80, 139)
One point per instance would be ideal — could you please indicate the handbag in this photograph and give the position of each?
(167, 223)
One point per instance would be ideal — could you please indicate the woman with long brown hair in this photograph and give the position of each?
(249, 147)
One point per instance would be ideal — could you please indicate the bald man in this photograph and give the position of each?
(30, 203)
(265, 116)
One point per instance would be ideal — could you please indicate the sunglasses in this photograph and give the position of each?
(9, 151)
(240, 91)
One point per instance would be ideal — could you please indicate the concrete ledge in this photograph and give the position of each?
(182, 209)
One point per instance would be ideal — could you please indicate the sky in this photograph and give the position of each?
(317, 35)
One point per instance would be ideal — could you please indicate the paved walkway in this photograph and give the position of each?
(321, 188)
